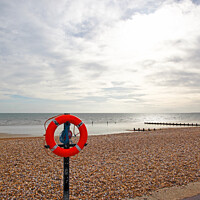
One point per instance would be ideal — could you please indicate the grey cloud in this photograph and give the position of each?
(197, 2)
(27, 48)
(175, 59)
(94, 67)
(92, 20)
(181, 78)
(142, 7)
(133, 70)
(125, 97)
(140, 99)
(191, 59)
(62, 66)
(118, 93)
(148, 63)
(93, 70)
(194, 53)
(24, 30)
(129, 98)
(83, 29)
(178, 44)
(94, 99)
(123, 93)
(189, 56)
(175, 78)
(120, 89)
(117, 83)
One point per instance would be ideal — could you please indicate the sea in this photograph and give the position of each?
(97, 123)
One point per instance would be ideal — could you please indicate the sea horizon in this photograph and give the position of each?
(96, 123)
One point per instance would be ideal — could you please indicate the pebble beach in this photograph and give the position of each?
(115, 166)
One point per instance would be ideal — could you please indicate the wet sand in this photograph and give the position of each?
(117, 166)
(7, 135)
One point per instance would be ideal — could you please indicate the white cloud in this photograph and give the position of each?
(118, 54)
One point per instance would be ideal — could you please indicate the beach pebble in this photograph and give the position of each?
(117, 166)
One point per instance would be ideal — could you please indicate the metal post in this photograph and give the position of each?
(66, 167)
(66, 176)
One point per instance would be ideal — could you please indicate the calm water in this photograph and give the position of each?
(96, 123)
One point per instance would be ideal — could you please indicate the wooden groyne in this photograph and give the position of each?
(172, 124)
(142, 129)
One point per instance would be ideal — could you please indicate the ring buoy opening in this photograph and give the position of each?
(49, 136)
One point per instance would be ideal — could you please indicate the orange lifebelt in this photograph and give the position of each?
(49, 136)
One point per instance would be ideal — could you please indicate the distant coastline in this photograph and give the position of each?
(96, 123)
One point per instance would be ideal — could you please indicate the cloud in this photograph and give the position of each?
(117, 53)
(177, 79)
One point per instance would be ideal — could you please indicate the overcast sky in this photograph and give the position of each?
(100, 56)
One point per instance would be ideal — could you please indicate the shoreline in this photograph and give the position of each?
(114, 166)
(9, 135)
(13, 135)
